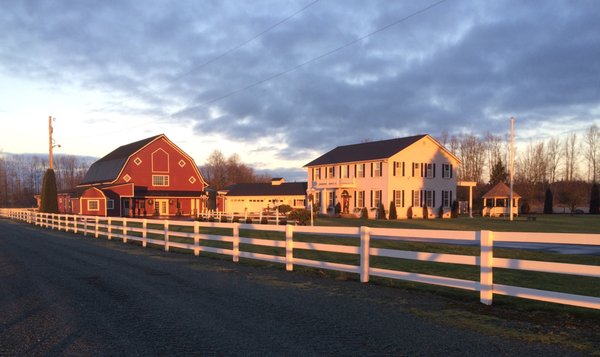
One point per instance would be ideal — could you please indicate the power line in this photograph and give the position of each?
(314, 59)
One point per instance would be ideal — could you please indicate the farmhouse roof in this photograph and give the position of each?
(372, 150)
(500, 190)
(107, 168)
(267, 189)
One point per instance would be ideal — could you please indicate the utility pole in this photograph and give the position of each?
(512, 163)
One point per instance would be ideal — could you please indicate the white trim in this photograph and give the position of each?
(97, 201)
(110, 204)
(168, 160)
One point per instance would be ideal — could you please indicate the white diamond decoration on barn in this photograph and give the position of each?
(192, 179)
(137, 161)
(127, 178)
(181, 163)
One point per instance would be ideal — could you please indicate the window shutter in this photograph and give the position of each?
(402, 168)
(422, 198)
(394, 196)
(402, 198)
(433, 198)
(412, 197)
(394, 163)
(413, 169)
(371, 169)
(433, 170)
(450, 170)
(355, 170)
(450, 193)
(422, 170)
(355, 194)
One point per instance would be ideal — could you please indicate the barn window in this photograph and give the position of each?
(182, 163)
(160, 180)
(93, 205)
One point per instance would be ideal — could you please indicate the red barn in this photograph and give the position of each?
(150, 177)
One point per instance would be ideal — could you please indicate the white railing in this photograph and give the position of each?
(162, 232)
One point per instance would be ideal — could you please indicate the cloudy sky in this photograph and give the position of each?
(281, 82)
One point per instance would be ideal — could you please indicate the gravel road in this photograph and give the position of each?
(65, 294)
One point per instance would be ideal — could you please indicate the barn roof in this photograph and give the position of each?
(107, 168)
(373, 150)
(500, 191)
(267, 189)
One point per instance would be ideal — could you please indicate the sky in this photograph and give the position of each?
(282, 82)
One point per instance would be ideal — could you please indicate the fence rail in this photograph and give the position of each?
(161, 232)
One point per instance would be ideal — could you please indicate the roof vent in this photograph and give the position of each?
(276, 181)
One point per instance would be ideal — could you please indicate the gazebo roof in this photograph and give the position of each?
(500, 191)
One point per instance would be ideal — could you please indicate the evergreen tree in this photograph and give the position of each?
(498, 173)
(49, 198)
(393, 213)
(381, 212)
(595, 200)
(454, 212)
(548, 202)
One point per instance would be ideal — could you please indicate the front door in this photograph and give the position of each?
(161, 207)
(126, 208)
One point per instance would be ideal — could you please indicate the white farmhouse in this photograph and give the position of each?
(412, 172)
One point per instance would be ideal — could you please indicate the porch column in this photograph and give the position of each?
(130, 207)
(324, 199)
(471, 201)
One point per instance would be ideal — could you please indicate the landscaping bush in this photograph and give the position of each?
(211, 219)
(381, 212)
(223, 219)
(282, 222)
(595, 200)
(409, 213)
(248, 220)
(338, 209)
(393, 213)
(454, 212)
(548, 202)
(236, 220)
(49, 198)
(300, 215)
(525, 209)
(364, 214)
(441, 212)
(264, 220)
(425, 212)
(283, 209)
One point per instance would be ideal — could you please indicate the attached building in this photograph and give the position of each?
(244, 198)
(411, 172)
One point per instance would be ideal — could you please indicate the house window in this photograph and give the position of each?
(317, 173)
(398, 198)
(330, 196)
(331, 171)
(446, 171)
(361, 170)
(345, 171)
(93, 205)
(416, 198)
(446, 198)
(377, 169)
(397, 168)
(361, 199)
(110, 204)
(317, 199)
(429, 198)
(429, 172)
(298, 202)
(377, 198)
(415, 168)
(160, 180)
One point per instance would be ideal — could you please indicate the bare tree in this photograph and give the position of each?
(570, 156)
(221, 172)
(592, 151)
(471, 151)
(553, 156)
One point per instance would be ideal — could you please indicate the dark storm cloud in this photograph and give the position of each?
(457, 67)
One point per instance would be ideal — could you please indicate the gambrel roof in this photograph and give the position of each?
(373, 150)
(107, 169)
(267, 189)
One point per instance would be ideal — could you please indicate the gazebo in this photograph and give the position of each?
(495, 201)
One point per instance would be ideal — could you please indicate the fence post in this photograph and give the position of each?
(486, 260)
(166, 235)
(75, 224)
(196, 238)
(144, 232)
(53, 221)
(365, 237)
(236, 242)
(289, 247)
(96, 228)
(124, 230)
(85, 226)
(109, 228)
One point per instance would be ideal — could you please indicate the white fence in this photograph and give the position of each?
(138, 230)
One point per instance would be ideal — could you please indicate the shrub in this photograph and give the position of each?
(283, 222)
(264, 220)
(595, 200)
(236, 220)
(249, 220)
(409, 213)
(224, 219)
(393, 213)
(300, 215)
(454, 212)
(364, 214)
(381, 212)
(548, 204)
(49, 198)
(425, 212)
(283, 209)
(211, 219)
(441, 212)
(525, 207)
(338, 209)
